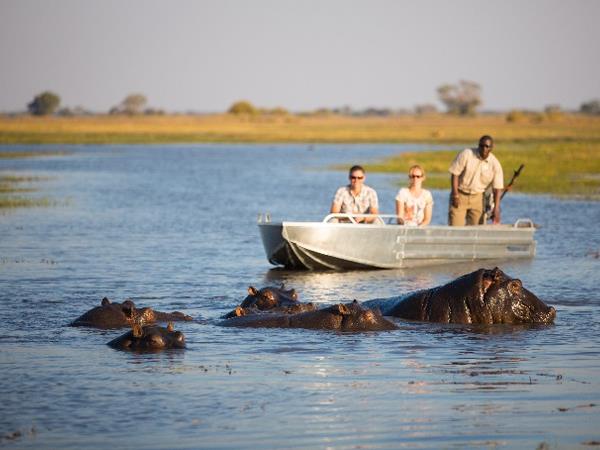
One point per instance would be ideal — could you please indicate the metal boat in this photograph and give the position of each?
(339, 242)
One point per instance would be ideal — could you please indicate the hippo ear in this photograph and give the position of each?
(514, 287)
(252, 291)
(239, 311)
(170, 327)
(342, 309)
(105, 301)
(497, 273)
(128, 308)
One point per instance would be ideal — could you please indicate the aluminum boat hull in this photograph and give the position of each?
(343, 246)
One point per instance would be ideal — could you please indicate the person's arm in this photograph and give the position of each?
(454, 190)
(498, 190)
(496, 211)
(400, 211)
(427, 214)
(335, 208)
(372, 210)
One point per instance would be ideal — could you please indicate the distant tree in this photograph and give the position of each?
(516, 115)
(462, 98)
(592, 107)
(242, 107)
(279, 111)
(552, 109)
(45, 103)
(133, 104)
(75, 111)
(425, 109)
(376, 112)
(553, 112)
(154, 112)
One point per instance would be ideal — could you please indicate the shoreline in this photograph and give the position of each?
(561, 157)
(224, 128)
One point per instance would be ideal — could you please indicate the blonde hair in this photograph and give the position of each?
(416, 166)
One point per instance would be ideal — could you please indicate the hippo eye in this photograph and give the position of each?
(514, 287)
(156, 341)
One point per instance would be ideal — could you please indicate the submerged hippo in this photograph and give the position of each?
(119, 315)
(271, 299)
(151, 337)
(341, 317)
(481, 297)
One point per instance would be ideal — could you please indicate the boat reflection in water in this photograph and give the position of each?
(340, 243)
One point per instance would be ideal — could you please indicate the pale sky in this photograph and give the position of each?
(203, 55)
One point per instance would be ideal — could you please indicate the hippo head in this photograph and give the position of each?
(127, 308)
(269, 298)
(358, 318)
(343, 317)
(509, 302)
(119, 315)
(149, 338)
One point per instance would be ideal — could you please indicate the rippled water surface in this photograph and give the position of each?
(175, 228)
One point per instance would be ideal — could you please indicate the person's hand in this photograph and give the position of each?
(496, 216)
(454, 199)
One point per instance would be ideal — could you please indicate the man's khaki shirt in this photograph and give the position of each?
(475, 174)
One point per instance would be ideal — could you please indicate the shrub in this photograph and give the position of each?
(242, 107)
(44, 104)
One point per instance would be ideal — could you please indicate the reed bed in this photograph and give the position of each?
(13, 186)
(290, 128)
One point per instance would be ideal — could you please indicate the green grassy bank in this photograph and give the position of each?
(563, 168)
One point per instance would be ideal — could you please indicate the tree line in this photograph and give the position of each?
(463, 98)
(48, 103)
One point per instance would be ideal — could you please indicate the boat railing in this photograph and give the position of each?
(524, 223)
(381, 219)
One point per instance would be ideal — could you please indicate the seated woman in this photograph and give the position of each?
(414, 204)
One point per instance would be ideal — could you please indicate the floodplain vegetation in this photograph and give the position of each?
(561, 152)
(563, 168)
(310, 128)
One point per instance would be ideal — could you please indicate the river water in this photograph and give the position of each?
(174, 227)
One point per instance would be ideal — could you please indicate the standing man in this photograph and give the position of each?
(357, 197)
(472, 171)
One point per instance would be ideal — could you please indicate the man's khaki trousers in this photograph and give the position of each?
(469, 206)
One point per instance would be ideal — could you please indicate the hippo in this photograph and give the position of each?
(119, 315)
(270, 299)
(341, 317)
(149, 337)
(481, 297)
